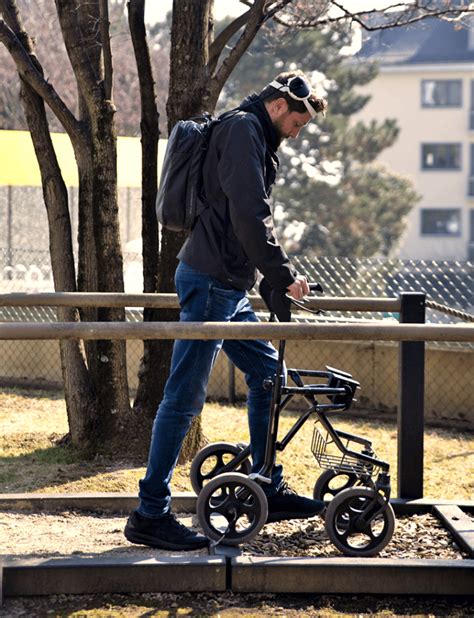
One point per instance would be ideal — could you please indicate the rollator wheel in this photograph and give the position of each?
(211, 459)
(232, 509)
(331, 482)
(347, 531)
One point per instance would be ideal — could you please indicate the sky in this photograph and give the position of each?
(157, 9)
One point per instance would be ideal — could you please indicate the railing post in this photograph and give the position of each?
(411, 401)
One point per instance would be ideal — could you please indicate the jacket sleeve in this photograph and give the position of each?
(241, 175)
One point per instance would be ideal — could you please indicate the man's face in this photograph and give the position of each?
(289, 124)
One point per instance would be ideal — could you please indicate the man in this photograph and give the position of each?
(232, 238)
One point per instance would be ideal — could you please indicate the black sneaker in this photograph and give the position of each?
(286, 504)
(166, 532)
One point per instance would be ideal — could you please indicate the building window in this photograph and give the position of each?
(441, 156)
(440, 222)
(441, 92)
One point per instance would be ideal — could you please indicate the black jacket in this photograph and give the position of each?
(235, 233)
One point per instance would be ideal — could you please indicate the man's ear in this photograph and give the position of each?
(277, 107)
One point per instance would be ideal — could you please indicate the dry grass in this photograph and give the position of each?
(31, 422)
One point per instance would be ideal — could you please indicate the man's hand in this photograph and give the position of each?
(299, 288)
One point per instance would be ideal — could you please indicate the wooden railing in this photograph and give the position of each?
(411, 332)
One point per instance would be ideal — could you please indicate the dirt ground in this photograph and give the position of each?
(229, 605)
(49, 535)
(75, 534)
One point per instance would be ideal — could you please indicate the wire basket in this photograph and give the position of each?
(328, 455)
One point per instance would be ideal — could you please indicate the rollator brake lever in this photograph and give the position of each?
(314, 287)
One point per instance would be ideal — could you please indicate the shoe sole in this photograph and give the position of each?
(144, 539)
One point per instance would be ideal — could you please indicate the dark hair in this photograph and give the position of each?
(269, 93)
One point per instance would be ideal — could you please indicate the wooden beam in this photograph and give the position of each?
(460, 524)
(170, 301)
(376, 330)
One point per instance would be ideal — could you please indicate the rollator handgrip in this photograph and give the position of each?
(278, 301)
(316, 287)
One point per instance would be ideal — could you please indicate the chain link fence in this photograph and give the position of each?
(449, 366)
(449, 392)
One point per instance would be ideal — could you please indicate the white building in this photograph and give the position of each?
(426, 82)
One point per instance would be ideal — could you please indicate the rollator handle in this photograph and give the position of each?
(279, 302)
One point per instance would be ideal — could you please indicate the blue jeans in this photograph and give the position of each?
(203, 298)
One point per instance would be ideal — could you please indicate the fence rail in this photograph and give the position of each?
(225, 330)
(170, 301)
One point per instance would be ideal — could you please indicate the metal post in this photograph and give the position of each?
(411, 401)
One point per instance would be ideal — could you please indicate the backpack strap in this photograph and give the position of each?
(230, 113)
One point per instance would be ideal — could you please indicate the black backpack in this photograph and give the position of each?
(180, 201)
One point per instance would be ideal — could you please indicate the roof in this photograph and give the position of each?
(428, 41)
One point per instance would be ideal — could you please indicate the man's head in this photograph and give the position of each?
(291, 103)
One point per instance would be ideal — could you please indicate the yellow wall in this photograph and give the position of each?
(18, 165)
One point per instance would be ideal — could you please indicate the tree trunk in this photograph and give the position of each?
(100, 257)
(80, 400)
(111, 380)
(149, 392)
(100, 269)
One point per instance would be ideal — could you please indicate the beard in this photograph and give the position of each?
(277, 125)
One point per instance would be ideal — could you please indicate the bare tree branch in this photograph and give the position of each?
(33, 76)
(136, 20)
(149, 125)
(271, 8)
(254, 23)
(271, 11)
(401, 16)
(219, 43)
(149, 388)
(106, 51)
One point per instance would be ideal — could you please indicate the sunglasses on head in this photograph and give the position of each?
(297, 88)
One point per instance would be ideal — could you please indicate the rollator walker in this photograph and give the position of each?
(232, 506)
